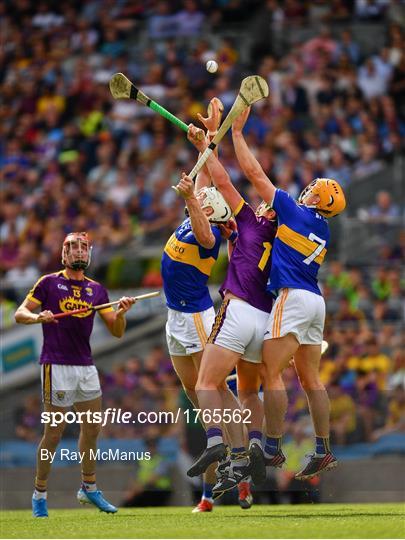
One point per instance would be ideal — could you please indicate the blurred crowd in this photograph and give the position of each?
(363, 369)
(73, 158)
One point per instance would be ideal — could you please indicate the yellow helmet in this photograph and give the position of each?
(331, 197)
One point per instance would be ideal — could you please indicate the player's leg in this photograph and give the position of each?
(286, 325)
(214, 396)
(248, 385)
(88, 406)
(249, 381)
(233, 329)
(277, 353)
(248, 378)
(187, 368)
(307, 360)
(53, 432)
(57, 382)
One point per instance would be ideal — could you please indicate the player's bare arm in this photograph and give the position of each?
(211, 123)
(115, 320)
(229, 231)
(199, 221)
(220, 178)
(248, 163)
(25, 314)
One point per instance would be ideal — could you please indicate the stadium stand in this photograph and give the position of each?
(73, 159)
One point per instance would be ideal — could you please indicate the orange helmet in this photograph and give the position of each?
(76, 251)
(331, 197)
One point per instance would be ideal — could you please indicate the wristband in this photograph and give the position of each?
(233, 237)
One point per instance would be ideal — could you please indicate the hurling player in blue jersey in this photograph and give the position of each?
(296, 322)
(187, 261)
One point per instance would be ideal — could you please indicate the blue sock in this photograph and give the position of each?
(255, 437)
(272, 446)
(207, 490)
(322, 446)
(214, 437)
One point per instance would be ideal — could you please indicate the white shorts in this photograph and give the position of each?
(297, 312)
(187, 333)
(65, 385)
(240, 327)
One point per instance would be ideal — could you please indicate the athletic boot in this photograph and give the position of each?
(39, 508)
(257, 464)
(316, 465)
(203, 506)
(230, 481)
(210, 455)
(96, 498)
(245, 497)
(277, 460)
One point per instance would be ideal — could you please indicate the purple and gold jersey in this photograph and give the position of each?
(68, 341)
(249, 265)
(300, 245)
(186, 267)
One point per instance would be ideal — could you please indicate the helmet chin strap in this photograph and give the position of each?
(78, 265)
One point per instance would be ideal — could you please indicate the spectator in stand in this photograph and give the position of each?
(189, 19)
(371, 81)
(368, 162)
(384, 211)
(347, 46)
(395, 422)
(7, 310)
(27, 419)
(297, 449)
(342, 414)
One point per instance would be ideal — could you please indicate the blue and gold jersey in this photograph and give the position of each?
(186, 267)
(300, 245)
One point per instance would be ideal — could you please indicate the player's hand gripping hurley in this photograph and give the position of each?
(103, 306)
(252, 89)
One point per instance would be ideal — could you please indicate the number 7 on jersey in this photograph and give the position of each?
(317, 251)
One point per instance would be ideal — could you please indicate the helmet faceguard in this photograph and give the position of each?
(211, 198)
(331, 197)
(76, 251)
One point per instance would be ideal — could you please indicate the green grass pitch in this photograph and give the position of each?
(304, 521)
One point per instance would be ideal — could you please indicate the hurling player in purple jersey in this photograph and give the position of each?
(237, 335)
(296, 323)
(69, 377)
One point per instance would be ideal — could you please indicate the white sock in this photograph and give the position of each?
(255, 441)
(40, 495)
(90, 486)
(213, 441)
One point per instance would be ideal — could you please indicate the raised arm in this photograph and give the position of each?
(199, 221)
(211, 123)
(220, 178)
(248, 163)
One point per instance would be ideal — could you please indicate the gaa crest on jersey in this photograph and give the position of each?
(70, 304)
(89, 291)
(60, 394)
